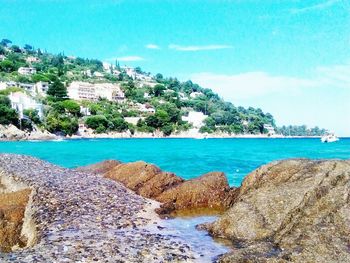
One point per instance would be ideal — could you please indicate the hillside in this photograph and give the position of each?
(71, 95)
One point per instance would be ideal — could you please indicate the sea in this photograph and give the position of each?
(188, 158)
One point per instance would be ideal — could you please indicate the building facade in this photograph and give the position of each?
(87, 91)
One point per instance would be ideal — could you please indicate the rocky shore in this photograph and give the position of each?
(12, 133)
(74, 216)
(287, 211)
(290, 211)
(209, 192)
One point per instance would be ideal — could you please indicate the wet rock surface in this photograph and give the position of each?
(81, 217)
(290, 211)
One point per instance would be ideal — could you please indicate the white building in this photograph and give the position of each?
(32, 59)
(270, 129)
(26, 71)
(87, 73)
(195, 118)
(130, 72)
(8, 84)
(41, 88)
(28, 87)
(146, 108)
(85, 111)
(196, 94)
(2, 57)
(98, 74)
(87, 91)
(21, 102)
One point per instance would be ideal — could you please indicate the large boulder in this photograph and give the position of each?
(293, 210)
(207, 191)
(99, 168)
(12, 208)
(143, 178)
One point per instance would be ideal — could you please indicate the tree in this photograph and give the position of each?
(159, 77)
(99, 122)
(57, 90)
(28, 47)
(167, 129)
(7, 115)
(32, 115)
(71, 107)
(57, 123)
(16, 49)
(158, 90)
(119, 124)
(5, 42)
(7, 66)
(138, 70)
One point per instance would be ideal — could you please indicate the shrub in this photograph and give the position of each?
(32, 115)
(167, 129)
(119, 124)
(8, 115)
(97, 121)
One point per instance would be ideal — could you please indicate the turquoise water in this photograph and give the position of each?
(188, 158)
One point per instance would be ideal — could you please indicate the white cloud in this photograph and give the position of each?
(319, 6)
(246, 85)
(127, 58)
(322, 98)
(198, 48)
(259, 83)
(152, 46)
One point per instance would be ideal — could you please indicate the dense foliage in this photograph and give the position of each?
(7, 115)
(300, 131)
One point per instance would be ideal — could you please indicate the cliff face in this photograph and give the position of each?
(293, 210)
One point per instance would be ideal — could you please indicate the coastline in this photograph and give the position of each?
(11, 133)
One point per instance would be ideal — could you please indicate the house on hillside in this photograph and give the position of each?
(26, 70)
(195, 118)
(21, 101)
(270, 129)
(41, 88)
(2, 57)
(98, 75)
(146, 108)
(78, 90)
(27, 87)
(32, 59)
(196, 94)
(7, 84)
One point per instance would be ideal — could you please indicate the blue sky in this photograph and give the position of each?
(289, 57)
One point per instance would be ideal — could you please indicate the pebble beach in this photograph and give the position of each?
(75, 216)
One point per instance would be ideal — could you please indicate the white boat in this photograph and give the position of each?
(329, 138)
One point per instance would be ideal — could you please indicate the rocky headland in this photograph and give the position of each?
(287, 211)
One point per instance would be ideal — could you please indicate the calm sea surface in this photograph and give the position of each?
(188, 158)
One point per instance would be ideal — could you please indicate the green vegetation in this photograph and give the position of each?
(7, 115)
(300, 131)
(159, 102)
